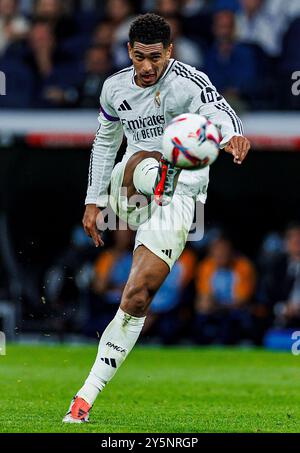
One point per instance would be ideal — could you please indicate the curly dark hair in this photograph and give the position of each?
(150, 29)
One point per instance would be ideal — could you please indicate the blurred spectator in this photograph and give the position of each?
(233, 66)
(97, 68)
(120, 13)
(84, 94)
(20, 89)
(163, 320)
(211, 234)
(13, 26)
(195, 17)
(288, 10)
(54, 13)
(260, 23)
(111, 273)
(281, 284)
(67, 282)
(113, 266)
(272, 249)
(52, 70)
(230, 64)
(293, 8)
(289, 62)
(191, 8)
(26, 6)
(291, 55)
(188, 260)
(89, 5)
(185, 49)
(234, 55)
(167, 8)
(42, 46)
(225, 284)
(104, 34)
(196, 21)
(170, 310)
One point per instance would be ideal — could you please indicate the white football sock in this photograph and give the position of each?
(144, 176)
(116, 342)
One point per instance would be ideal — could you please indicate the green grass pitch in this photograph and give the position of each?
(156, 390)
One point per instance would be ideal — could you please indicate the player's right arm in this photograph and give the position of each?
(107, 142)
(208, 102)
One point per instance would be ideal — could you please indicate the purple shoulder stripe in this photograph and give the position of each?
(107, 116)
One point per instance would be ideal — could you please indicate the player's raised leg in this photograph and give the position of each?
(149, 173)
(147, 274)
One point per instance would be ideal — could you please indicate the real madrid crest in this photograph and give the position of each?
(157, 99)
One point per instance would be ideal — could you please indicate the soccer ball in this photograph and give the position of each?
(191, 141)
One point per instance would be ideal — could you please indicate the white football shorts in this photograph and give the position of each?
(162, 229)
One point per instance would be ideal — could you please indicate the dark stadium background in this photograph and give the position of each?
(43, 199)
(42, 189)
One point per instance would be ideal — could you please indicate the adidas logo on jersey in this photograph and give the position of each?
(124, 106)
(168, 253)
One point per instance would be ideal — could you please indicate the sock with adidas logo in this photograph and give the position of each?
(116, 342)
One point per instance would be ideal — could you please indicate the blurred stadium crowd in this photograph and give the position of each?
(213, 295)
(56, 54)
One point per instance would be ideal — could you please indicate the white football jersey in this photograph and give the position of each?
(143, 113)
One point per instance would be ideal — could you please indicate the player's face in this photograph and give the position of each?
(150, 61)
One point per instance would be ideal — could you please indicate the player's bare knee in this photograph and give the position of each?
(137, 157)
(145, 174)
(145, 154)
(155, 154)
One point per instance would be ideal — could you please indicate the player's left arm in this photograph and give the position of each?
(212, 105)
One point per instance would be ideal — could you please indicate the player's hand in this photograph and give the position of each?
(239, 147)
(91, 215)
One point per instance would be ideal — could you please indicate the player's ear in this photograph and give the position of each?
(129, 50)
(169, 50)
